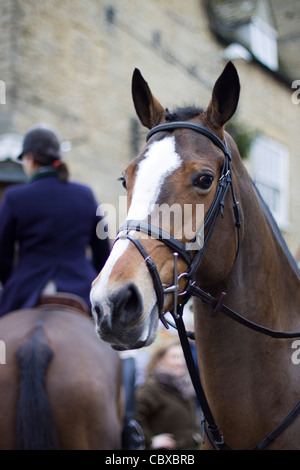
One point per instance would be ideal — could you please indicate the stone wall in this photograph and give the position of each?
(70, 64)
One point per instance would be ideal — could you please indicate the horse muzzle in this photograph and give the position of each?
(121, 320)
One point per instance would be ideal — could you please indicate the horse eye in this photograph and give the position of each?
(203, 181)
(123, 181)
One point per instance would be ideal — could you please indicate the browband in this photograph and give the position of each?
(170, 126)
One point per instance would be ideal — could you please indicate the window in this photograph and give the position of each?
(270, 162)
(263, 43)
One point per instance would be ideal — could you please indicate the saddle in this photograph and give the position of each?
(64, 300)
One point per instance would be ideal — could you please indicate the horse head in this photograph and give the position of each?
(176, 189)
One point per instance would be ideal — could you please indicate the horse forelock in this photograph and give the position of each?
(183, 113)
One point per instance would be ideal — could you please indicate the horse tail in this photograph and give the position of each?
(36, 428)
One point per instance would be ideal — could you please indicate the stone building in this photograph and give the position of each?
(70, 63)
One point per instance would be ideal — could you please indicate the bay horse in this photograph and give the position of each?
(60, 387)
(248, 379)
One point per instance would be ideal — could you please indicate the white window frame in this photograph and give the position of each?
(270, 168)
(263, 40)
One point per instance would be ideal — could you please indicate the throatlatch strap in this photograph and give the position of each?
(196, 291)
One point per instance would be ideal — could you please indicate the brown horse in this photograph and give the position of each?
(60, 387)
(249, 379)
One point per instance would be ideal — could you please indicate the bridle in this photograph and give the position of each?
(178, 247)
(216, 303)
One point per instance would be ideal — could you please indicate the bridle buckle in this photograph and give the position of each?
(175, 287)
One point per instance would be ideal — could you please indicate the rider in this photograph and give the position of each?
(52, 222)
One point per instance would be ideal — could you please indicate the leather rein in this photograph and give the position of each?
(216, 303)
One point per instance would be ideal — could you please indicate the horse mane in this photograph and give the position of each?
(277, 233)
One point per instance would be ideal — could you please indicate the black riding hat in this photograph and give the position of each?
(43, 143)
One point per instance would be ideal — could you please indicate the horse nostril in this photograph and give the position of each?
(131, 300)
(127, 303)
(98, 310)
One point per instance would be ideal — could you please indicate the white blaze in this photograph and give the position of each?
(160, 161)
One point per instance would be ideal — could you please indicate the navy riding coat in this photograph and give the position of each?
(53, 224)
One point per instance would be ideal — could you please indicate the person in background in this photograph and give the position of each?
(165, 402)
(52, 221)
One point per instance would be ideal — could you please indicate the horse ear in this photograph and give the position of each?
(148, 109)
(225, 97)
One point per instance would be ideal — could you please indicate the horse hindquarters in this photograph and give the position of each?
(35, 424)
